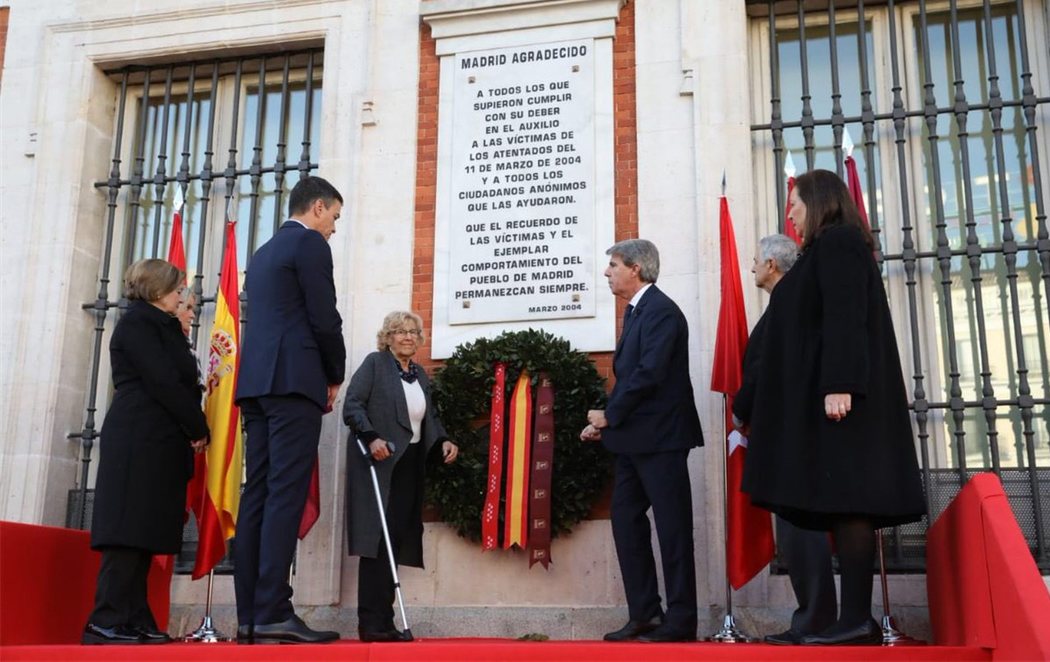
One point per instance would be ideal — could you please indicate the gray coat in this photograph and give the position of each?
(375, 405)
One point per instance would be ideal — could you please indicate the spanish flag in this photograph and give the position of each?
(217, 508)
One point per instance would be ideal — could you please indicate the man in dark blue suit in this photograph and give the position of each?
(292, 363)
(650, 423)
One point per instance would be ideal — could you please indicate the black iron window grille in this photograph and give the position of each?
(233, 136)
(950, 125)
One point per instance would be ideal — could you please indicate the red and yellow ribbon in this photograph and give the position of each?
(519, 441)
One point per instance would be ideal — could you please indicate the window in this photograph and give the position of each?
(234, 135)
(949, 135)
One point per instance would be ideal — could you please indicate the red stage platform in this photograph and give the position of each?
(987, 602)
(464, 650)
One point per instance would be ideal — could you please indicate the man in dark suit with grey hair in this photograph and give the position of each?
(292, 362)
(650, 423)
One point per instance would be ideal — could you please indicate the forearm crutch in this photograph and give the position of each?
(386, 533)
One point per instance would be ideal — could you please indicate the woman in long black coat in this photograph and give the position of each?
(389, 408)
(148, 438)
(831, 444)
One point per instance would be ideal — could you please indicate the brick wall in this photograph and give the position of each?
(626, 166)
(5, 13)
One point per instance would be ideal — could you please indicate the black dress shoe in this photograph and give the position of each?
(665, 634)
(291, 631)
(866, 633)
(389, 636)
(633, 629)
(788, 637)
(118, 634)
(244, 634)
(151, 635)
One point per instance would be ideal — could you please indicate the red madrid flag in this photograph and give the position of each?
(789, 227)
(176, 249)
(855, 190)
(749, 529)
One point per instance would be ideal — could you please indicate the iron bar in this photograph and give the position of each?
(137, 180)
(775, 122)
(304, 157)
(280, 163)
(159, 179)
(973, 244)
(867, 115)
(807, 108)
(230, 173)
(920, 405)
(183, 182)
(255, 172)
(836, 93)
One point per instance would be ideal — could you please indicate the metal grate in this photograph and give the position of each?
(265, 109)
(949, 140)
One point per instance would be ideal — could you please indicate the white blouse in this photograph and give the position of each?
(417, 408)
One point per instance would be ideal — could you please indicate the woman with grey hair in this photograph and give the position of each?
(389, 408)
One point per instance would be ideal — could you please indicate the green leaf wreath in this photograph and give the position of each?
(463, 396)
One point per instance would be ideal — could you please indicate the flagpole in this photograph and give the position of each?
(729, 634)
(891, 636)
(206, 632)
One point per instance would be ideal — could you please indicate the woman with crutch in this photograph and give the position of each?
(390, 411)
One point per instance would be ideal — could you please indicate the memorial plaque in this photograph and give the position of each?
(521, 204)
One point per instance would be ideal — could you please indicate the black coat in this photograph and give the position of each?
(744, 400)
(829, 331)
(146, 458)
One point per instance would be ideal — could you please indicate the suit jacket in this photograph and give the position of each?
(375, 408)
(651, 408)
(293, 340)
(146, 459)
(744, 400)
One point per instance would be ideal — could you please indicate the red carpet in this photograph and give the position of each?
(463, 650)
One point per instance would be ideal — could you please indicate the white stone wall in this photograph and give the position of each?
(693, 113)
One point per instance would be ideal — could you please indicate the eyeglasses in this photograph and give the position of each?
(407, 332)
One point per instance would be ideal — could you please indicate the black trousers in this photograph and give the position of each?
(808, 557)
(375, 582)
(279, 459)
(120, 592)
(659, 481)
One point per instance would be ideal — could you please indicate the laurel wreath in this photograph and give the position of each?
(462, 394)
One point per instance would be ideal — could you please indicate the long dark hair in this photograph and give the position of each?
(828, 203)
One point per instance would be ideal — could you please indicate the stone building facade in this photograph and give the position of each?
(688, 81)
